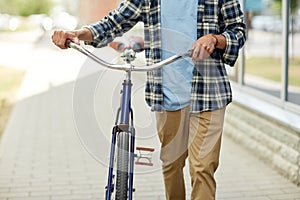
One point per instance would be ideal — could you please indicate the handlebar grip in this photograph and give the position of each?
(72, 44)
(137, 44)
(118, 46)
(190, 52)
(134, 43)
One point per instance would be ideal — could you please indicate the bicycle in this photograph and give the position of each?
(120, 180)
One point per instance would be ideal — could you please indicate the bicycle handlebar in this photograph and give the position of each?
(128, 67)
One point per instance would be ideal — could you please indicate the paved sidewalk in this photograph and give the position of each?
(42, 154)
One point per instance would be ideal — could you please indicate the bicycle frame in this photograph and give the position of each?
(123, 126)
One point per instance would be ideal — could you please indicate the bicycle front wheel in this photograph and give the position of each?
(122, 166)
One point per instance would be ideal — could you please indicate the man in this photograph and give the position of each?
(189, 99)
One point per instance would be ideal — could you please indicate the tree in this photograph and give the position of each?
(277, 4)
(25, 7)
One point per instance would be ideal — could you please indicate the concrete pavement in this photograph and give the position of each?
(46, 154)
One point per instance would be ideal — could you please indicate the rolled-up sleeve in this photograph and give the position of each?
(234, 30)
(116, 23)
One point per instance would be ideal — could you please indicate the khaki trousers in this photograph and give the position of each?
(194, 135)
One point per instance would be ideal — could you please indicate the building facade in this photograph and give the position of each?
(92, 10)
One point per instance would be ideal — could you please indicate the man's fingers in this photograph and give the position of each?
(60, 38)
(196, 51)
(200, 53)
(204, 53)
(57, 39)
(203, 47)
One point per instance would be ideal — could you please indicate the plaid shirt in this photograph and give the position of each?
(210, 86)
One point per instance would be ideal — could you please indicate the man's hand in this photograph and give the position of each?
(204, 47)
(61, 37)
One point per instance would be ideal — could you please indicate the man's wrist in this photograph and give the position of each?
(221, 42)
(216, 40)
(84, 34)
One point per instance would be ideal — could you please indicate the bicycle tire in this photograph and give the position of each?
(122, 166)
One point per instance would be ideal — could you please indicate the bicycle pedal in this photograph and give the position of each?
(144, 157)
(145, 149)
(144, 163)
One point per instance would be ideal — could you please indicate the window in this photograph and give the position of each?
(263, 53)
(271, 59)
(294, 54)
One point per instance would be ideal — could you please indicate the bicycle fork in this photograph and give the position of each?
(123, 133)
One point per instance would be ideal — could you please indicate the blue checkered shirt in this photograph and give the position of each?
(211, 88)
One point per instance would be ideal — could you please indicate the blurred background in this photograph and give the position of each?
(27, 22)
(271, 55)
(25, 30)
(265, 114)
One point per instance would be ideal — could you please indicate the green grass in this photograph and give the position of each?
(11, 80)
(270, 68)
(294, 72)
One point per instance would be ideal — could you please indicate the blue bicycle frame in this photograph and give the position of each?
(123, 125)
